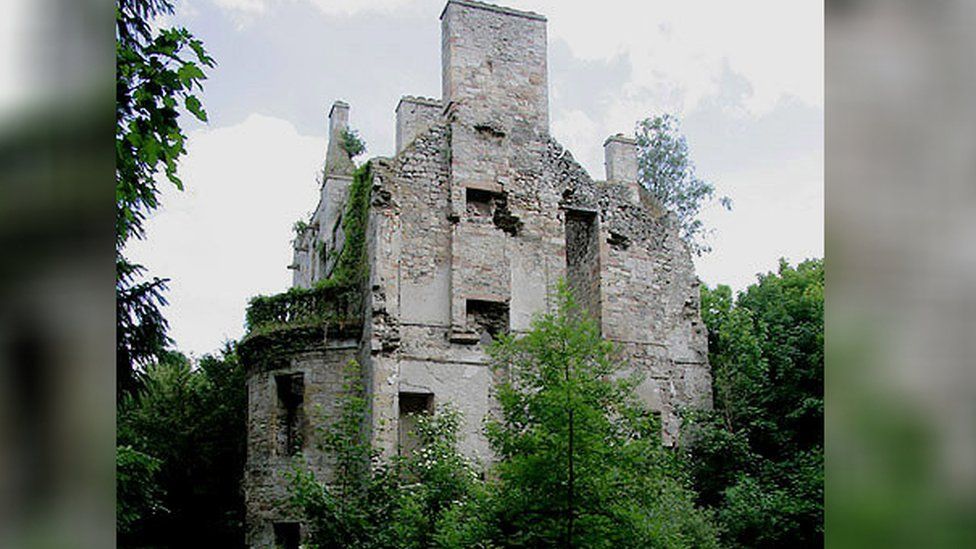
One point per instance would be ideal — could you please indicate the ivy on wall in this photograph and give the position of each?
(336, 298)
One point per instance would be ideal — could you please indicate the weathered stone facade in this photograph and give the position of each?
(470, 226)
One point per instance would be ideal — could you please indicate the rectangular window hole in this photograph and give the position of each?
(488, 318)
(479, 202)
(583, 260)
(291, 416)
(288, 535)
(412, 406)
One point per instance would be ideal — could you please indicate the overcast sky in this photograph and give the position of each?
(746, 79)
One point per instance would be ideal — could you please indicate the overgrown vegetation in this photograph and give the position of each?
(370, 503)
(665, 168)
(757, 458)
(351, 266)
(580, 462)
(180, 457)
(337, 296)
(352, 143)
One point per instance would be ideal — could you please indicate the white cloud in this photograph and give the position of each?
(245, 11)
(226, 238)
(353, 7)
(575, 130)
(682, 46)
(777, 212)
(250, 7)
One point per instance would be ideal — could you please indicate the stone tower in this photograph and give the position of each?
(467, 230)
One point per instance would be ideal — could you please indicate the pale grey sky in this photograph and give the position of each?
(745, 77)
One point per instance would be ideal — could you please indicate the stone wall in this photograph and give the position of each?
(268, 459)
(471, 225)
(413, 116)
(324, 233)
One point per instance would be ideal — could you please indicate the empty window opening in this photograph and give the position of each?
(412, 407)
(291, 415)
(488, 318)
(583, 260)
(480, 203)
(287, 535)
(484, 205)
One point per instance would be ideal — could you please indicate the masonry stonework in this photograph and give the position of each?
(471, 225)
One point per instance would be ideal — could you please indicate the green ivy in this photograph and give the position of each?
(352, 267)
(275, 323)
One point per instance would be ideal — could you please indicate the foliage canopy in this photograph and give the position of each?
(665, 168)
(757, 458)
(181, 452)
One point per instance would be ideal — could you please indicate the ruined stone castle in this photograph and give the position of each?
(463, 234)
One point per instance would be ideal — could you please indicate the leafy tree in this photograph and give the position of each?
(665, 168)
(181, 453)
(157, 72)
(417, 501)
(352, 143)
(581, 462)
(138, 491)
(757, 458)
(140, 335)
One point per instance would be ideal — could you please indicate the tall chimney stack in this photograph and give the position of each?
(494, 65)
(337, 160)
(620, 157)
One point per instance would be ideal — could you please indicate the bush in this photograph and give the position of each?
(352, 143)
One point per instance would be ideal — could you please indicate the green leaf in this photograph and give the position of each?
(193, 105)
(197, 48)
(150, 151)
(189, 73)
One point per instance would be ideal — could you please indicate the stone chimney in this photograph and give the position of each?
(620, 153)
(413, 116)
(494, 65)
(337, 160)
